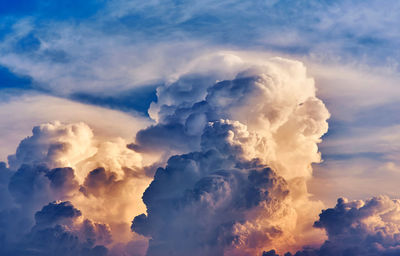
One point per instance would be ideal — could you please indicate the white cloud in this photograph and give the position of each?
(19, 114)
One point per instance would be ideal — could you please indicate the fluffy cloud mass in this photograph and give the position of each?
(236, 138)
(253, 134)
(370, 227)
(70, 193)
(180, 134)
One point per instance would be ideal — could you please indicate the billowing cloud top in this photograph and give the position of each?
(253, 134)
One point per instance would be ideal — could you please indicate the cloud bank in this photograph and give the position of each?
(236, 138)
(223, 170)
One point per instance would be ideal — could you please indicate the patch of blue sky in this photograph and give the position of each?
(9, 80)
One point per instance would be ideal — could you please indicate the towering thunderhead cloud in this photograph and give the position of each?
(253, 135)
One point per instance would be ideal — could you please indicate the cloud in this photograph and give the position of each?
(360, 150)
(368, 227)
(69, 162)
(5, 196)
(244, 132)
(252, 140)
(58, 231)
(56, 213)
(249, 113)
(54, 145)
(245, 143)
(103, 49)
(104, 122)
(63, 179)
(197, 202)
(274, 98)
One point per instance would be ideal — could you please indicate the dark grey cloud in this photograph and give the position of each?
(62, 180)
(54, 233)
(56, 213)
(34, 185)
(52, 230)
(5, 196)
(29, 186)
(95, 233)
(270, 253)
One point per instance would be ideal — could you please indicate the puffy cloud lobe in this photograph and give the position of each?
(270, 253)
(63, 180)
(274, 98)
(96, 232)
(34, 185)
(56, 213)
(362, 228)
(211, 202)
(55, 145)
(102, 171)
(73, 145)
(190, 84)
(58, 231)
(370, 227)
(30, 186)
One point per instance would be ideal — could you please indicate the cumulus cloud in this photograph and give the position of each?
(236, 138)
(195, 204)
(58, 231)
(358, 228)
(232, 122)
(56, 213)
(104, 122)
(244, 133)
(54, 145)
(274, 98)
(68, 162)
(252, 134)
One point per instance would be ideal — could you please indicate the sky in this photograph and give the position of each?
(259, 127)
